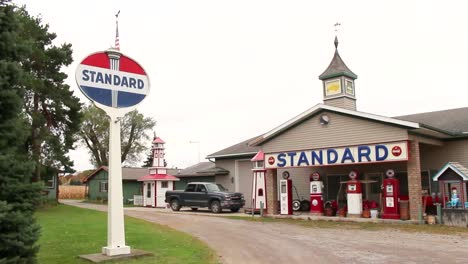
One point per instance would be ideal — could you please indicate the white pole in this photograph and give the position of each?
(115, 216)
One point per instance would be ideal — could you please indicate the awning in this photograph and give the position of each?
(158, 177)
(454, 166)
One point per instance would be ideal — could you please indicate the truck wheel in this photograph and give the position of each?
(175, 205)
(216, 207)
(194, 208)
(235, 209)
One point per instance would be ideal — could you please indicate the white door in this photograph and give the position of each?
(148, 190)
(161, 188)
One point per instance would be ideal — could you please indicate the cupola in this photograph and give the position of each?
(338, 83)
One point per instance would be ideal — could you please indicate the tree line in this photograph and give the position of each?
(40, 122)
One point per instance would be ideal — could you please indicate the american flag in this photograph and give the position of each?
(117, 43)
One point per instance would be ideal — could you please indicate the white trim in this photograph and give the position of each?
(446, 166)
(318, 107)
(231, 155)
(236, 175)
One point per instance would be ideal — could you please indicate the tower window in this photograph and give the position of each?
(260, 192)
(349, 87)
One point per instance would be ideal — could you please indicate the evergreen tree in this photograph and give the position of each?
(18, 197)
(149, 160)
(52, 111)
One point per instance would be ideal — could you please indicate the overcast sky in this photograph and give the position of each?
(225, 71)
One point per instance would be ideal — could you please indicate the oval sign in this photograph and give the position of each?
(112, 79)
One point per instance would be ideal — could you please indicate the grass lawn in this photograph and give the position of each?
(433, 229)
(67, 232)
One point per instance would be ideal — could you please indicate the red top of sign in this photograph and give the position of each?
(101, 60)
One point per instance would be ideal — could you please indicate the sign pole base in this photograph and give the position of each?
(114, 251)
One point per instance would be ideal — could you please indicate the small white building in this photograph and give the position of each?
(157, 182)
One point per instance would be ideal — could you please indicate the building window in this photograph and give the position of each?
(425, 183)
(403, 178)
(50, 184)
(164, 184)
(258, 164)
(335, 188)
(148, 190)
(103, 186)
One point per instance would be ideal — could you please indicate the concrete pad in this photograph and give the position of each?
(99, 257)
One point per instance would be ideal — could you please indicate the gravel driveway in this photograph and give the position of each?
(238, 241)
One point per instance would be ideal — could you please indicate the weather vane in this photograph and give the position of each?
(337, 27)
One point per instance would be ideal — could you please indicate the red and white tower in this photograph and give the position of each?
(157, 182)
(258, 182)
(158, 155)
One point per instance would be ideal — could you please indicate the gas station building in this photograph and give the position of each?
(333, 139)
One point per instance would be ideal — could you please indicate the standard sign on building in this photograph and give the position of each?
(112, 79)
(395, 151)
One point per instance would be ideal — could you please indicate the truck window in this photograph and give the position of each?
(190, 188)
(201, 188)
(213, 187)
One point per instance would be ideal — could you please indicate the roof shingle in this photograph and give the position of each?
(453, 121)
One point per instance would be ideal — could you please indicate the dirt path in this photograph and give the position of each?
(238, 241)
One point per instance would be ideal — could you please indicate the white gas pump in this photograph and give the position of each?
(354, 195)
(286, 195)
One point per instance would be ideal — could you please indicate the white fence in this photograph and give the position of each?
(138, 200)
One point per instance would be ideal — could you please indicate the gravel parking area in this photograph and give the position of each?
(238, 241)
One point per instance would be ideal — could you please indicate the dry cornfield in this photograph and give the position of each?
(72, 192)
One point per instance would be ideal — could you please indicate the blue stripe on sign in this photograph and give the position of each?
(102, 96)
(129, 99)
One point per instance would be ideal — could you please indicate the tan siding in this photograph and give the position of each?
(342, 102)
(244, 170)
(245, 180)
(341, 131)
(300, 180)
(225, 180)
(433, 157)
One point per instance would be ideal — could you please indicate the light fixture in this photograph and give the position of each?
(324, 119)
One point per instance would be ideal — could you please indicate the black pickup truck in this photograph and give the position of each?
(205, 194)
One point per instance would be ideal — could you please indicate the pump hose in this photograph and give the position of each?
(298, 199)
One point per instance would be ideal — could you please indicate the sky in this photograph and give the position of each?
(225, 71)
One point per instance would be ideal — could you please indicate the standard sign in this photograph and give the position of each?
(112, 79)
(395, 151)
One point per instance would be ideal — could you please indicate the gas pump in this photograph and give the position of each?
(390, 193)
(354, 195)
(316, 194)
(286, 195)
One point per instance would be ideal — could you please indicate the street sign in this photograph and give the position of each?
(112, 79)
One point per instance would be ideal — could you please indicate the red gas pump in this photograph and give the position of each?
(391, 193)
(316, 194)
(286, 195)
(354, 195)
